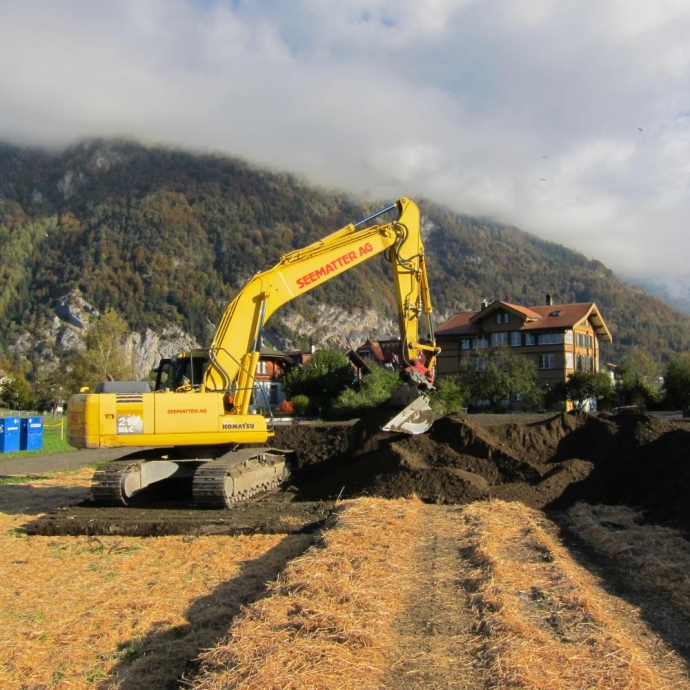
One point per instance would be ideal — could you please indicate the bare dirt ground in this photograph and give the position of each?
(487, 553)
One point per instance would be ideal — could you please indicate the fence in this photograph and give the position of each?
(57, 423)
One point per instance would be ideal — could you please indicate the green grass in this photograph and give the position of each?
(21, 480)
(24, 479)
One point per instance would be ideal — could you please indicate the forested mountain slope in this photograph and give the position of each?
(166, 237)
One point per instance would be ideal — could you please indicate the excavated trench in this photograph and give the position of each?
(629, 458)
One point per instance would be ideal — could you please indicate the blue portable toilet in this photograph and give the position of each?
(31, 437)
(9, 434)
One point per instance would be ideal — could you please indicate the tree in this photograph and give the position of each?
(504, 374)
(638, 381)
(449, 396)
(17, 393)
(373, 390)
(326, 375)
(677, 382)
(582, 386)
(106, 354)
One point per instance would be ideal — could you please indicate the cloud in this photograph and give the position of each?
(455, 100)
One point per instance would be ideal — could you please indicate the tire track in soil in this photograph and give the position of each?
(437, 629)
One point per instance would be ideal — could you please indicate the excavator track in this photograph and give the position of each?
(236, 476)
(108, 483)
(239, 475)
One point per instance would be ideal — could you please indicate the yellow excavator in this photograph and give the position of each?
(198, 422)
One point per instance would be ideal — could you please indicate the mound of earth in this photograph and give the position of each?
(631, 458)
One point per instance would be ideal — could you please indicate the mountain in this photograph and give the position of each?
(676, 294)
(166, 237)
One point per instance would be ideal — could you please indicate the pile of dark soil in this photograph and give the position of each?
(631, 458)
(634, 459)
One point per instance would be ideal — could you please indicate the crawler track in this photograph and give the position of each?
(238, 476)
(108, 480)
(219, 482)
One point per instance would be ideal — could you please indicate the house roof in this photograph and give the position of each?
(381, 350)
(537, 318)
(527, 312)
(372, 347)
(358, 361)
(268, 352)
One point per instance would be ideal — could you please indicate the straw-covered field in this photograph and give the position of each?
(396, 593)
(392, 592)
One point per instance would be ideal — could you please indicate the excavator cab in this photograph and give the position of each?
(182, 372)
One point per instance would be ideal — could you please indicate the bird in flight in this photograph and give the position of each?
(543, 179)
(639, 129)
(544, 156)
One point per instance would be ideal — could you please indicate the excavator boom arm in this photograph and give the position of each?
(236, 345)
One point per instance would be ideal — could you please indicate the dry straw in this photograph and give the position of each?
(658, 556)
(113, 612)
(329, 621)
(78, 612)
(335, 618)
(546, 621)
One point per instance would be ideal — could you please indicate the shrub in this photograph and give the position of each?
(449, 396)
(374, 390)
(300, 405)
(285, 409)
(327, 374)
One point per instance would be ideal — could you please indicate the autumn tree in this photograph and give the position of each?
(106, 355)
(17, 393)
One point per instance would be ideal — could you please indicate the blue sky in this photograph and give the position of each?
(567, 118)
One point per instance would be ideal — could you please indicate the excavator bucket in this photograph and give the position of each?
(416, 418)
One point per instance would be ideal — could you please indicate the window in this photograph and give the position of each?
(465, 343)
(481, 341)
(568, 337)
(517, 397)
(481, 364)
(530, 339)
(515, 338)
(550, 338)
(499, 339)
(585, 363)
(585, 340)
(262, 368)
(569, 360)
(502, 317)
(547, 361)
